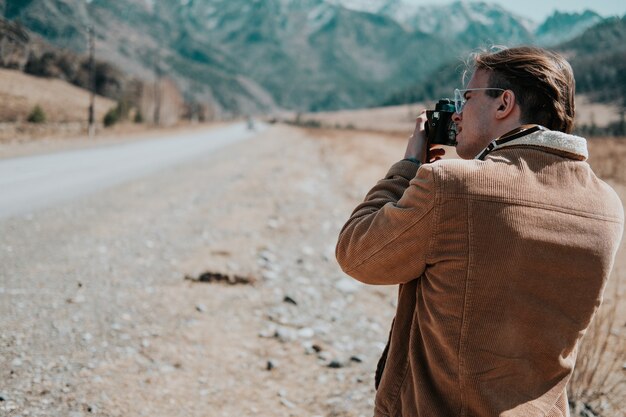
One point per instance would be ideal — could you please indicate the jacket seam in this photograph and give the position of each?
(398, 389)
(465, 314)
(526, 203)
(437, 216)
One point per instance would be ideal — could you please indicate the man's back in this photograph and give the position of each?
(516, 251)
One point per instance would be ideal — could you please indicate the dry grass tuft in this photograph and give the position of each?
(598, 384)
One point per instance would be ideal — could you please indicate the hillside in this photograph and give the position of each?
(597, 58)
(239, 57)
(61, 101)
(244, 57)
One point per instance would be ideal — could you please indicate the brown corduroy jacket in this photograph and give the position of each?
(501, 264)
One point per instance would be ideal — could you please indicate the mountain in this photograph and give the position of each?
(597, 58)
(596, 55)
(247, 56)
(471, 24)
(561, 27)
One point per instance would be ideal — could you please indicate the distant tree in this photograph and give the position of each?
(37, 115)
(112, 116)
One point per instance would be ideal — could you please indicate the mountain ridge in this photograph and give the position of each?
(247, 57)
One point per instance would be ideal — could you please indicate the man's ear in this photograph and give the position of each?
(506, 104)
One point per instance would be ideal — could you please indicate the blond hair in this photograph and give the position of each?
(542, 80)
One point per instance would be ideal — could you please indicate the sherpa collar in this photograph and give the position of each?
(574, 146)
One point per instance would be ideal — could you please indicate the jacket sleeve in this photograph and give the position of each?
(388, 236)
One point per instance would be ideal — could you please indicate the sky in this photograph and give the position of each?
(539, 10)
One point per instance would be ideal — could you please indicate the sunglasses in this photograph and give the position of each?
(459, 97)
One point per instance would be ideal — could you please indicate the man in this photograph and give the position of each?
(501, 259)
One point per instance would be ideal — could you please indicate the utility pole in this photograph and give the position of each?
(157, 87)
(92, 83)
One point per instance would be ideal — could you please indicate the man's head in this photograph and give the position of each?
(525, 85)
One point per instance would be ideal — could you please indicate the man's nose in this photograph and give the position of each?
(456, 117)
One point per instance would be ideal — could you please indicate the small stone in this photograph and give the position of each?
(287, 403)
(335, 364)
(270, 365)
(284, 334)
(306, 333)
(201, 308)
(269, 332)
(289, 300)
(269, 275)
(267, 256)
(356, 359)
(16, 362)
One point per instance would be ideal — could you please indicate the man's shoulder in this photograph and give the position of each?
(457, 175)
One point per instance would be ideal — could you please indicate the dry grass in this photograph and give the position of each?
(598, 386)
(401, 119)
(61, 101)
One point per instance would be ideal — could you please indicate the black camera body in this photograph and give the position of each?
(439, 127)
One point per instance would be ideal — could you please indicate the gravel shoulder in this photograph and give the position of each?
(97, 318)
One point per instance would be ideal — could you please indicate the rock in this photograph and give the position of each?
(267, 256)
(287, 403)
(306, 333)
(288, 299)
(270, 365)
(16, 362)
(284, 334)
(268, 332)
(201, 308)
(335, 364)
(269, 275)
(356, 359)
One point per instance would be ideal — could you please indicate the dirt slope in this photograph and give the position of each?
(61, 101)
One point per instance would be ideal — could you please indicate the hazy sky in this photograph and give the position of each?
(538, 10)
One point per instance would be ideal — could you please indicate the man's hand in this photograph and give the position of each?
(417, 146)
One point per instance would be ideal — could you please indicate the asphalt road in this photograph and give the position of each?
(34, 182)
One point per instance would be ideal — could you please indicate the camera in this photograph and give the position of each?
(439, 127)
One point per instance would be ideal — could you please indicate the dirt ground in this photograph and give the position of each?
(97, 318)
